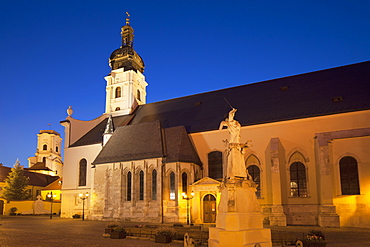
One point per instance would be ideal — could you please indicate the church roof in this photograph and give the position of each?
(50, 132)
(36, 179)
(95, 135)
(56, 185)
(178, 146)
(148, 140)
(38, 166)
(331, 91)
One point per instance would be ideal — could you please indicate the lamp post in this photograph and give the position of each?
(83, 197)
(187, 198)
(51, 197)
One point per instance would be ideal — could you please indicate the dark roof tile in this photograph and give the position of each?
(179, 147)
(293, 97)
(145, 142)
(36, 179)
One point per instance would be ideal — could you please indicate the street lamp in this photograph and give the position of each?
(187, 198)
(83, 197)
(51, 197)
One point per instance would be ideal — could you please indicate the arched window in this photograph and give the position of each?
(154, 185)
(298, 180)
(172, 186)
(57, 149)
(138, 95)
(45, 147)
(184, 182)
(141, 186)
(117, 109)
(254, 172)
(118, 92)
(215, 165)
(128, 194)
(82, 174)
(349, 176)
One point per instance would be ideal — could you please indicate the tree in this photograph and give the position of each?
(16, 184)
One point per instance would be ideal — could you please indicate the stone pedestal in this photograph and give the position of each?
(239, 221)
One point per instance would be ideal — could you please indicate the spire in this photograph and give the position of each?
(128, 19)
(126, 57)
(109, 129)
(127, 33)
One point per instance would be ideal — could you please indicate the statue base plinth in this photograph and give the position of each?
(239, 221)
(228, 238)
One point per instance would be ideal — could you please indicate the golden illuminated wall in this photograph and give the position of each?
(353, 209)
(277, 145)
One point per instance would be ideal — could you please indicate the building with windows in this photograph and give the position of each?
(47, 159)
(44, 171)
(37, 183)
(157, 162)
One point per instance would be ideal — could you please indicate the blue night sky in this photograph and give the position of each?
(55, 53)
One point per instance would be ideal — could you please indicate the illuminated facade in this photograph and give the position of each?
(47, 159)
(38, 184)
(310, 135)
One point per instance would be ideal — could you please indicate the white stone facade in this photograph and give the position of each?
(49, 147)
(124, 91)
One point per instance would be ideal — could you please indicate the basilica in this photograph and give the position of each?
(307, 149)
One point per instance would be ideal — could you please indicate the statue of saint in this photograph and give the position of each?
(233, 126)
(235, 154)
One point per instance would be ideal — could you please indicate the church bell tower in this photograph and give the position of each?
(126, 85)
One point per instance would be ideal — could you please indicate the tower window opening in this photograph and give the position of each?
(45, 147)
(118, 92)
(138, 95)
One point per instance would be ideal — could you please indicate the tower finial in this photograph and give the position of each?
(128, 19)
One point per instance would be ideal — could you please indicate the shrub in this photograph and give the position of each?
(119, 229)
(314, 239)
(165, 231)
(112, 225)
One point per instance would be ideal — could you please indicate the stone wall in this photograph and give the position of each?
(303, 214)
(109, 199)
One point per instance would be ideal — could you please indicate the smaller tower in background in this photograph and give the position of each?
(47, 159)
(126, 85)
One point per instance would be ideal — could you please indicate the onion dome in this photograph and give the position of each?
(126, 57)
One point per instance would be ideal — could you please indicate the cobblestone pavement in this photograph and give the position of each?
(335, 237)
(40, 231)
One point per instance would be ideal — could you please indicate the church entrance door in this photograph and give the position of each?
(209, 209)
